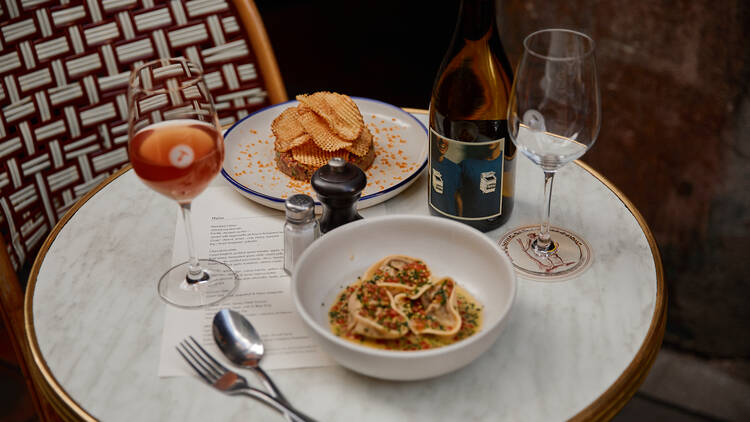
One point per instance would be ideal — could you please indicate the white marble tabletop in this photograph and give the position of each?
(573, 349)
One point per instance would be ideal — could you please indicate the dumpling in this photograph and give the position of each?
(400, 274)
(372, 314)
(434, 312)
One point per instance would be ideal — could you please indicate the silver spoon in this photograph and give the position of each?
(242, 345)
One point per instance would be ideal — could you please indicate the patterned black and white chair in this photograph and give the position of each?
(64, 70)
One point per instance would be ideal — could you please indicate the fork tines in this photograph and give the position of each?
(201, 361)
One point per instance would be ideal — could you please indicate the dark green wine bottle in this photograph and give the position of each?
(471, 158)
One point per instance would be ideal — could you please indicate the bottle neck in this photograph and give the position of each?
(479, 20)
(475, 19)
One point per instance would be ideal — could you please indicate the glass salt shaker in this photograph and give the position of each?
(300, 230)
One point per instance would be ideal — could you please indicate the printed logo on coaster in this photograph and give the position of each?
(181, 156)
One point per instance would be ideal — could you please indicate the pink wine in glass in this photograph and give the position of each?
(176, 148)
(177, 158)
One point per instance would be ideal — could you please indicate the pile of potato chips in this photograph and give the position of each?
(324, 125)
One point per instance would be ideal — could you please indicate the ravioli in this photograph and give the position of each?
(434, 312)
(400, 274)
(372, 314)
(398, 305)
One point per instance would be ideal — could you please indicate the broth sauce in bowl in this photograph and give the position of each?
(414, 315)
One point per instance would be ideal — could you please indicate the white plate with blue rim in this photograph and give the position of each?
(400, 155)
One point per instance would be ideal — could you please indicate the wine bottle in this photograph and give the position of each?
(471, 157)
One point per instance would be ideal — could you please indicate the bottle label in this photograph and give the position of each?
(466, 178)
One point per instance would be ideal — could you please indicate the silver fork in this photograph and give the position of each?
(230, 382)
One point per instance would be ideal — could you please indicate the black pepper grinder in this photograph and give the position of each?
(339, 185)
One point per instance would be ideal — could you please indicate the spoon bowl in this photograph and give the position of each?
(237, 338)
(241, 344)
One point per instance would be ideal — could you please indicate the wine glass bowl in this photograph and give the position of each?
(553, 113)
(176, 148)
(175, 144)
(554, 117)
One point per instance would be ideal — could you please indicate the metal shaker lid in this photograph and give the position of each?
(339, 179)
(300, 207)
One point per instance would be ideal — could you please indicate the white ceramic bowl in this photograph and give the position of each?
(448, 248)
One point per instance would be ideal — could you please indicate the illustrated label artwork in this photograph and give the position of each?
(466, 179)
(487, 182)
(437, 181)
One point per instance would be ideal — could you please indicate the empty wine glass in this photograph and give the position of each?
(554, 116)
(176, 148)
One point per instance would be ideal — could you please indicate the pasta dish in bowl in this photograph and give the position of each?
(404, 297)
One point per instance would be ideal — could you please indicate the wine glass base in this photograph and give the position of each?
(175, 289)
(570, 257)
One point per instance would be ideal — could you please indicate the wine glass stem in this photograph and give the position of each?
(543, 242)
(195, 272)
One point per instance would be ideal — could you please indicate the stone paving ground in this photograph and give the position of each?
(682, 387)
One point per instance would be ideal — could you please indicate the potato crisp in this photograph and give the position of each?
(309, 154)
(326, 139)
(288, 131)
(339, 111)
(362, 144)
(324, 125)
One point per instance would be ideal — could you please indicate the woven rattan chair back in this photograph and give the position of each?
(64, 68)
(63, 78)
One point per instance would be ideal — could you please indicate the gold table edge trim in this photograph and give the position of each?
(605, 407)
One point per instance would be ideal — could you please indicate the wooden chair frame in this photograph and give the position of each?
(11, 308)
(261, 45)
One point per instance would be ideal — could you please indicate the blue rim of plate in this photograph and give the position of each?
(245, 189)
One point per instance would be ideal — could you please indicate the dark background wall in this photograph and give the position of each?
(676, 117)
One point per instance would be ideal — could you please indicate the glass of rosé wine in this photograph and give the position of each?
(176, 148)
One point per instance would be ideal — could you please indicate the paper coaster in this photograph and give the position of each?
(571, 257)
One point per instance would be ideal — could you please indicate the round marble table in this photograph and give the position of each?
(577, 349)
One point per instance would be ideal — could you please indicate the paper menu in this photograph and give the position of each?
(248, 237)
